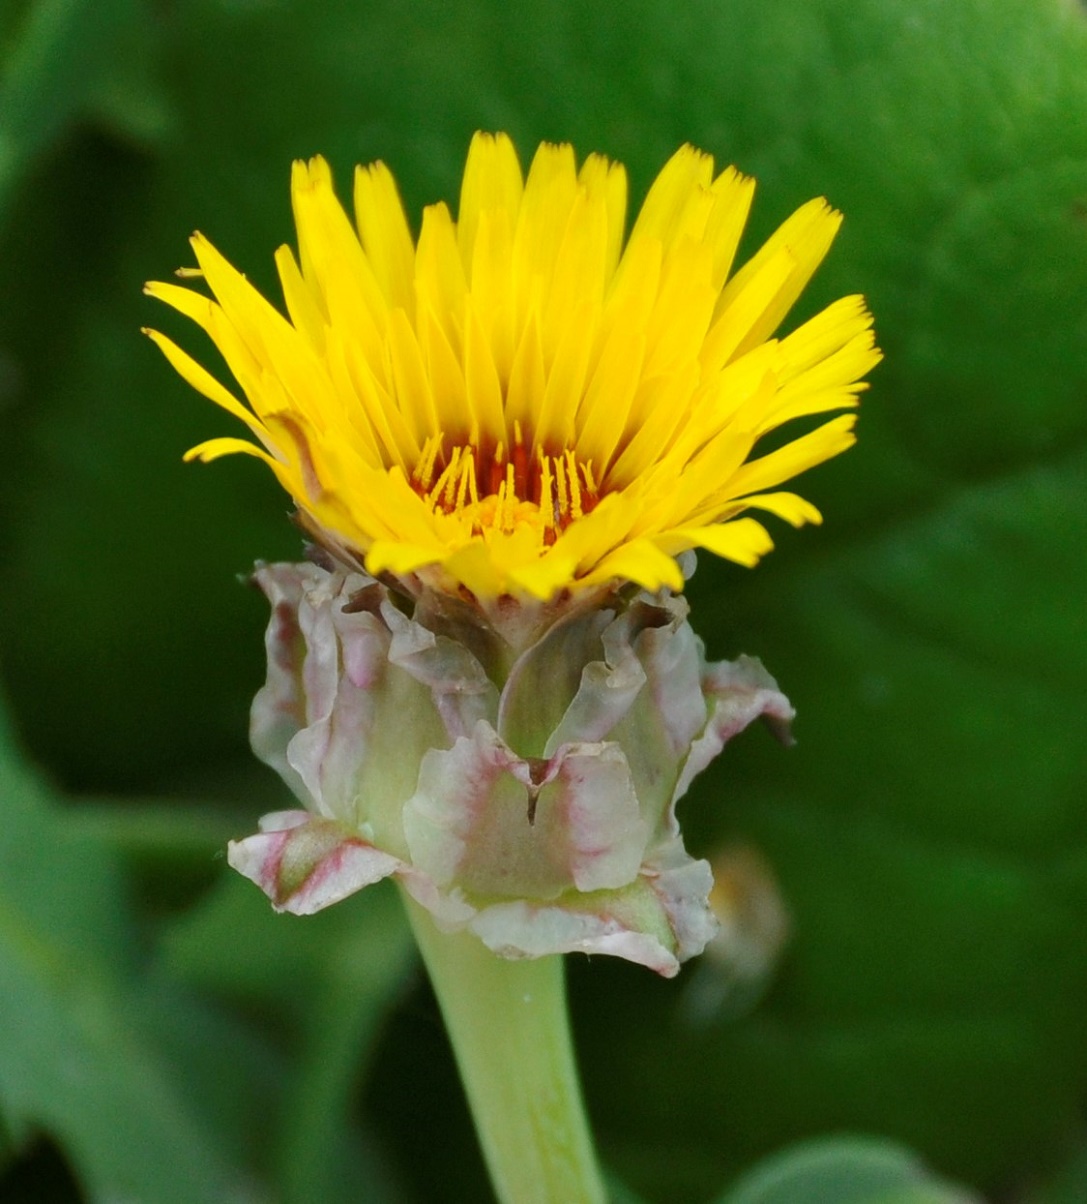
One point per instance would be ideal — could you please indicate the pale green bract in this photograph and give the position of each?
(524, 791)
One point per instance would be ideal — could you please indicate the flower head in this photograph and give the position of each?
(517, 403)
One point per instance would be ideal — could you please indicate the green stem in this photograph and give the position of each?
(508, 1024)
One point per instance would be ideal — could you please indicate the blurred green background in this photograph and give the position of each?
(164, 1039)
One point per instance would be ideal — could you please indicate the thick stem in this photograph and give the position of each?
(508, 1024)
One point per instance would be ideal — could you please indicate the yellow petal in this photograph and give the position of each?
(793, 509)
(301, 303)
(440, 279)
(828, 440)
(212, 449)
(743, 541)
(550, 191)
(641, 562)
(482, 387)
(384, 234)
(203, 381)
(806, 238)
(679, 186)
(492, 182)
(192, 304)
(608, 181)
(732, 197)
(492, 267)
(393, 556)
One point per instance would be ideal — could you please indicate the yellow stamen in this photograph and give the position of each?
(498, 522)
(446, 481)
(547, 498)
(511, 498)
(467, 474)
(424, 472)
(560, 479)
(575, 485)
(473, 489)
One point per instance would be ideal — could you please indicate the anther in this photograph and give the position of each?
(547, 499)
(446, 484)
(491, 471)
(519, 459)
(575, 485)
(467, 474)
(423, 475)
(564, 495)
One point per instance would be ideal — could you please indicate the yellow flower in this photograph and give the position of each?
(517, 403)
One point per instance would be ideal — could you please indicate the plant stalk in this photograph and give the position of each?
(510, 1031)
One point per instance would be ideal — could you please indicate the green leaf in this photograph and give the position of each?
(73, 1058)
(333, 978)
(70, 59)
(172, 848)
(284, 1112)
(364, 975)
(842, 1170)
(618, 1192)
(1067, 1186)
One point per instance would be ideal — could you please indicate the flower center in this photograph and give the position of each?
(504, 488)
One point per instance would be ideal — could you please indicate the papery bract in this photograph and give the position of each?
(536, 810)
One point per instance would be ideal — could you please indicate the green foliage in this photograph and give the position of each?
(330, 979)
(842, 1170)
(97, 1041)
(74, 1059)
(71, 60)
(929, 831)
(1068, 1186)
